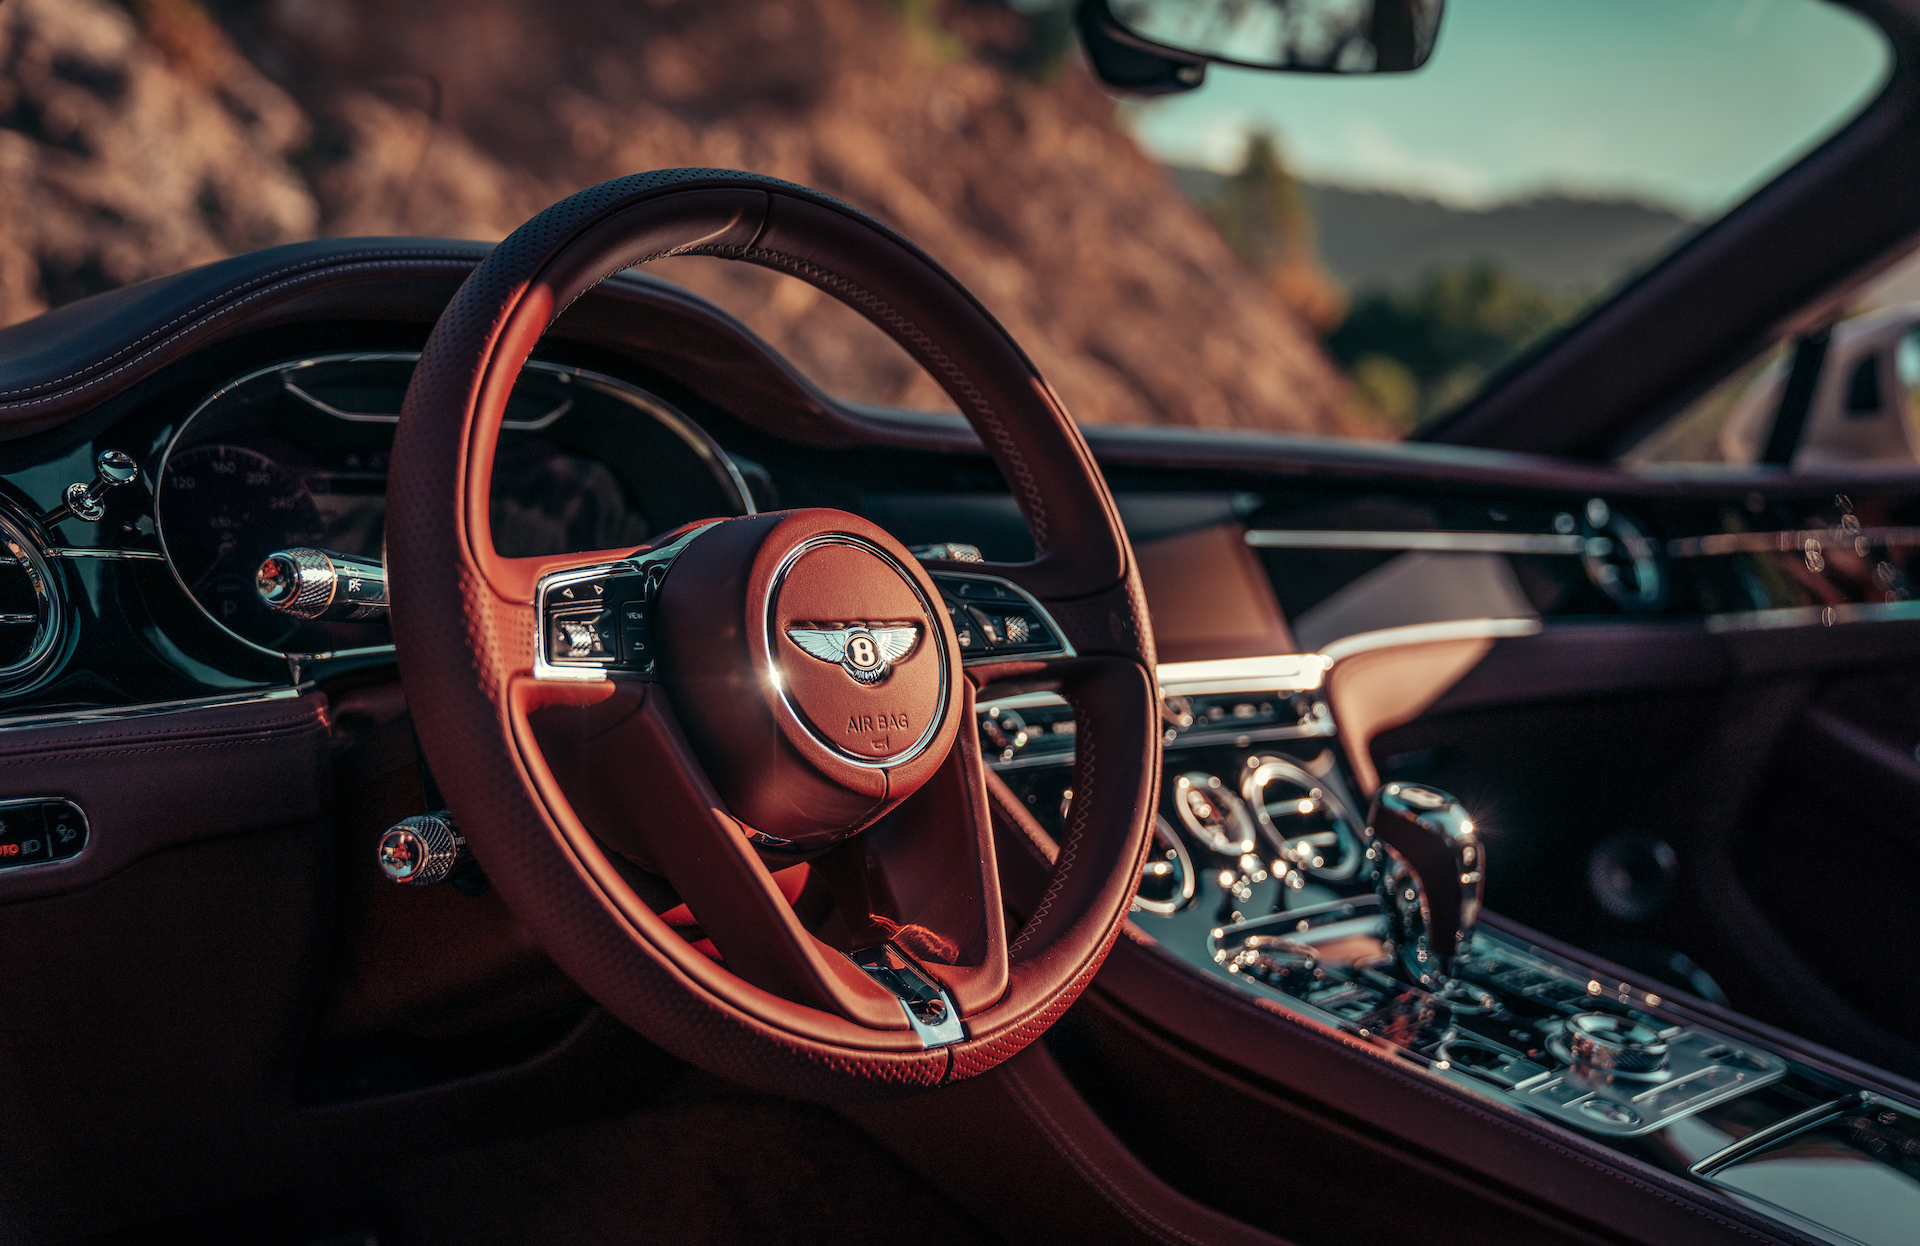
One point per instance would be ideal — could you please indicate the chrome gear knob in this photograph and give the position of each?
(1428, 866)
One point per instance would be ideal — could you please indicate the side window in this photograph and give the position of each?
(1906, 367)
(1849, 396)
(1863, 391)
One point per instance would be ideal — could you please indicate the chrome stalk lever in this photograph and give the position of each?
(87, 499)
(316, 584)
(1428, 866)
(427, 849)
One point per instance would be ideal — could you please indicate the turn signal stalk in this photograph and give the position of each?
(316, 584)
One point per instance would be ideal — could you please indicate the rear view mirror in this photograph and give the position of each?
(1180, 37)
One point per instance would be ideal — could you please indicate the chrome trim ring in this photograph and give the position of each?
(935, 614)
(50, 614)
(1266, 769)
(1173, 852)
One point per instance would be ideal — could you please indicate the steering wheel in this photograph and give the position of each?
(730, 781)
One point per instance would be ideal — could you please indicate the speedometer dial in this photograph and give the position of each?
(222, 510)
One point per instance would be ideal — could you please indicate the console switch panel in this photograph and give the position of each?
(40, 829)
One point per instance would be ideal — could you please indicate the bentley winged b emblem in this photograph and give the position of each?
(865, 651)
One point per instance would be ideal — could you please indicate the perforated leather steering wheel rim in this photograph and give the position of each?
(464, 628)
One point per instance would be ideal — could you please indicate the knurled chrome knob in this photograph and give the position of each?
(422, 850)
(315, 584)
(1603, 1041)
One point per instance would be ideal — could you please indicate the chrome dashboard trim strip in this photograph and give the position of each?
(1779, 1129)
(141, 555)
(1288, 672)
(1446, 542)
(1426, 633)
(1787, 542)
(150, 709)
(1815, 616)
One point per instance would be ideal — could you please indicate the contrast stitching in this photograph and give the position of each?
(271, 280)
(271, 724)
(135, 752)
(1070, 845)
(961, 380)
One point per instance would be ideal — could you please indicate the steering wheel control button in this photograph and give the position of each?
(583, 636)
(596, 621)
(39, 830)
(993, 619)
(636, 636)
(1615, 1044)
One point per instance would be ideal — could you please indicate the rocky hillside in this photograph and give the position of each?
(139, 138)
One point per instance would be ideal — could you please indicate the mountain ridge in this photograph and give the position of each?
(1380, 240)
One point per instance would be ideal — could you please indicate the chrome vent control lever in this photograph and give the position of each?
(317, 584)
(1428, 866)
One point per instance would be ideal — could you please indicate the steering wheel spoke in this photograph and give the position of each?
(666, 816)
(763, 726)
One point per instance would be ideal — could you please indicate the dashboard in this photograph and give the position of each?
(1263, 559)
(274, 433)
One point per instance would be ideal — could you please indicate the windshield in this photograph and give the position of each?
(1340, 255)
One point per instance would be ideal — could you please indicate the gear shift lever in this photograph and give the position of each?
(1428, 866)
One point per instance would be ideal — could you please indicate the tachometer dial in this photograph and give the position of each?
(222, 510)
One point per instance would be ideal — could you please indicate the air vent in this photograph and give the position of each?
(30, 610)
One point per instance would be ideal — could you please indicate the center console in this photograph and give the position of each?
(1267, 877)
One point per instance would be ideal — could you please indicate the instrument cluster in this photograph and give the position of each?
(296, 455)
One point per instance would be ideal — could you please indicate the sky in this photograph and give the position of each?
(1690, 103)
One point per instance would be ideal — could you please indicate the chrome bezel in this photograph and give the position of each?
(1264, 769)
(1189, 886)
(1217, 787)
(50, 606)
(725, 473)
(1062, 650)
(935, 613)
(86, 832)
(636, 564)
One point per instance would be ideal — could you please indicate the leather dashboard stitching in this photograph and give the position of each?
(268, 283)
(67, 754)
(1185, 976)
(273, 725)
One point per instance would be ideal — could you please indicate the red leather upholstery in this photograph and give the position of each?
(464, 627)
